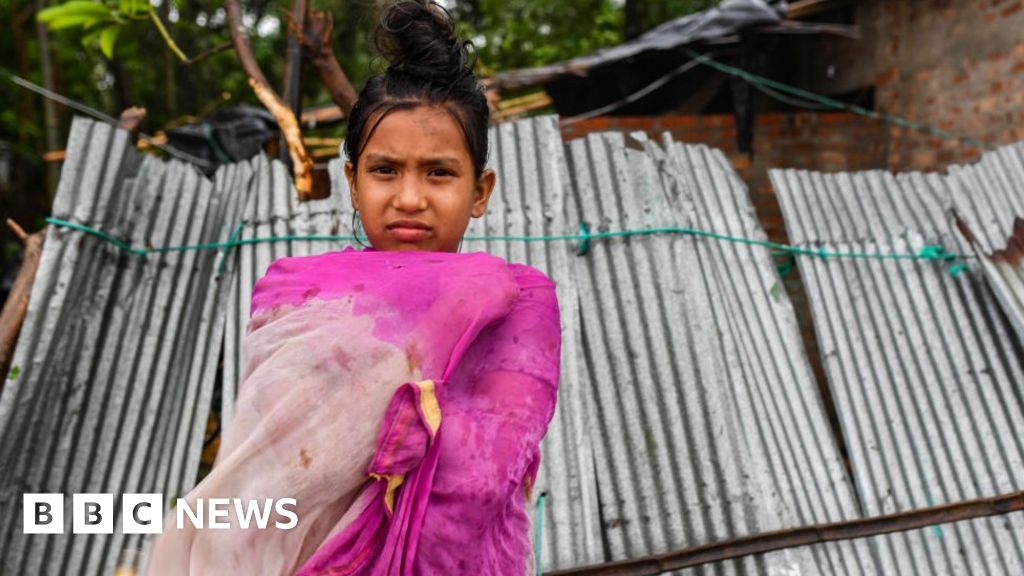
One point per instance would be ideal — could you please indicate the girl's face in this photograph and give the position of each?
(415, 188)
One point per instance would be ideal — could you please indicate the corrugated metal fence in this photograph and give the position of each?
(924, 366)
(688, 412)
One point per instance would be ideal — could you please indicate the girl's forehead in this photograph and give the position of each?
(421, 131)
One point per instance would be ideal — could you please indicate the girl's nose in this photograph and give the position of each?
(410, 196)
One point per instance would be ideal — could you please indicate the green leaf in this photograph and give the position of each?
(74, 13)
(89, 38)
(133, 7)
(74, 9)
(14, 373)
(107, 38)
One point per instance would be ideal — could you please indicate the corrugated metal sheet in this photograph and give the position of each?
(991, 200)
(705, 417)
(1004, 270)
(272, 209)
(925, 369)
(687, 411)
(115, 361)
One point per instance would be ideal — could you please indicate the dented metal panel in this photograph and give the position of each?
(924, 367)
(706, 420)
(117, 357)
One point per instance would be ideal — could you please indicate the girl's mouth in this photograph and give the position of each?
(408, 234)
(407, 230)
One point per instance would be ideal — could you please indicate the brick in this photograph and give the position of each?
(836, 118)
(924, 159)
(676, 122)
(986, 104)
(774, 119)
(1011, 9)
(718, 120)
(592, 125)
(645, 123)
(805, 119)
(740, 161)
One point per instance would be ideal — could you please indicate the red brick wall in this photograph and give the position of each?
(983, 99)
(957, 65)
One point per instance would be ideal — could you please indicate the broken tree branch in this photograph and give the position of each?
(302, 164)
(316, 37)
(16, 305)
(211, 52)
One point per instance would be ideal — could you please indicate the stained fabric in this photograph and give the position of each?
(400, 398)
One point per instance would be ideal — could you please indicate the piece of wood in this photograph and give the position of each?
(805, 8)
(13, 314)
(803, 536)
(302, 163)
(317, 33)
(291, 86)
(131, 119)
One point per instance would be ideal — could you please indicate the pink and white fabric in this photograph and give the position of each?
(400, 398)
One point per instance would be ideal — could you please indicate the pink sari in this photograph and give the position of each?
(400, 398)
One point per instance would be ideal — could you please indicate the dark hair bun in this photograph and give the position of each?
(418, 37)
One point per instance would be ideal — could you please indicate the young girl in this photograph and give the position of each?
(398, 394)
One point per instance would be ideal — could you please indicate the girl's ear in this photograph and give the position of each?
(482, 193)
(350, 175)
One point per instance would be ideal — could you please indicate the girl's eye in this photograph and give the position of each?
(382, 170)
(441, 172)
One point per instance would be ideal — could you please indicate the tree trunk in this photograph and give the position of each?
(16, 305)
(50, 121)
(302, 164)
(291, 91)
(317, 40)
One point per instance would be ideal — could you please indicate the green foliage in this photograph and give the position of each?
(83, 13)
(511, 34)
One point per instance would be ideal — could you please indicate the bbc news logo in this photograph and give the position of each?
(144, 513)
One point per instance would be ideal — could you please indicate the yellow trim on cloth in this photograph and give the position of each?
(429, 406)
(431, 410)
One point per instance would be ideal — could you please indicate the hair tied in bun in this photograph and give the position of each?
(419, 38)
(428, 65)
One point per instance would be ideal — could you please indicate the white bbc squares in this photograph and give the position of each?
(142, 513)
(43, 514)
(92, 514)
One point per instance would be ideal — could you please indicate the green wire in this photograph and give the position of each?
(931, 252)
(831, 103)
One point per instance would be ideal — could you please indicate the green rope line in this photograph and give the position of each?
(931, 252)
(832, 103)
(223, 256)
(538, 550)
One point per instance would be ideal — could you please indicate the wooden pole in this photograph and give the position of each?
(13, 314)
(803, 536)
(317, 36)
(302, 164)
